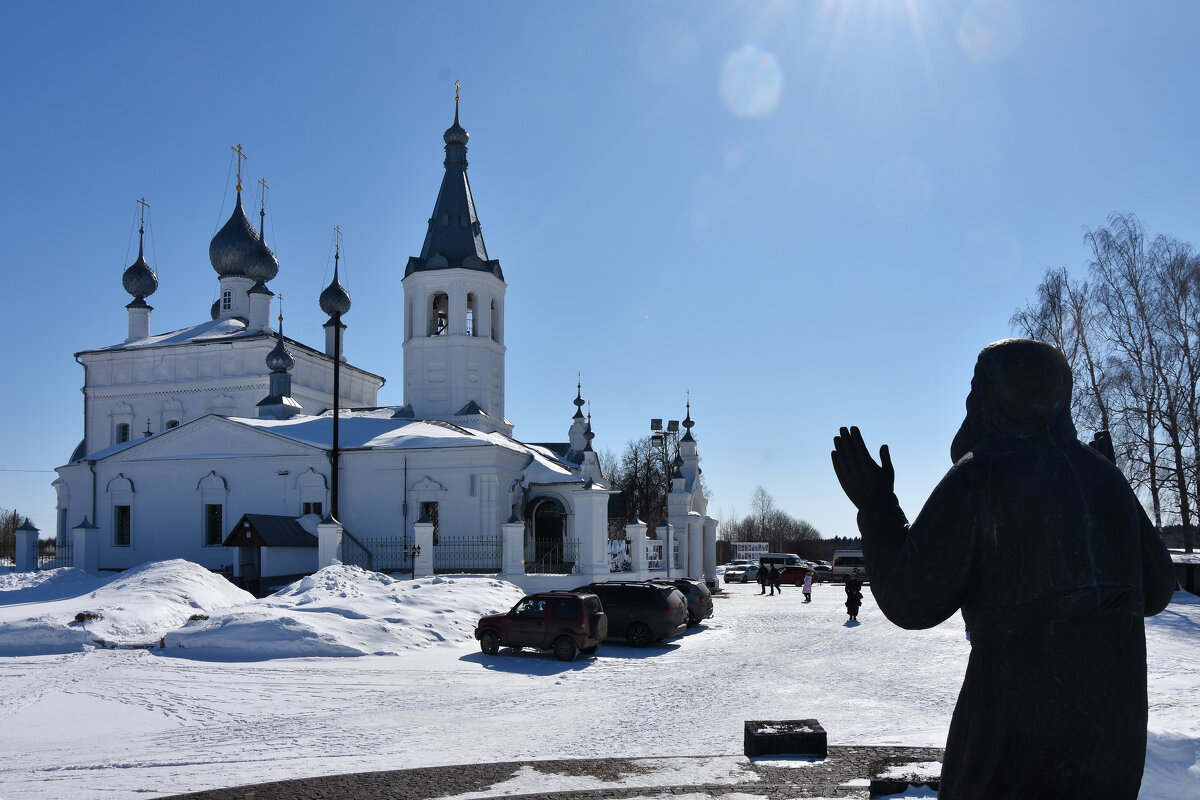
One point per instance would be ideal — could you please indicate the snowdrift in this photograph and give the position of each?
(346, 611)
(65, 610)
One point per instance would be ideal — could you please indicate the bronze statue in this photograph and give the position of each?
(1042, 544)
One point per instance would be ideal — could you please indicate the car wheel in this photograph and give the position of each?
(489, 643)
(565, 648)
(693, 619)
(587, 651)
(639, 634)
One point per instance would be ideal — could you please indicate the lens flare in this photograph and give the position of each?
(990, 30)
(751, 82)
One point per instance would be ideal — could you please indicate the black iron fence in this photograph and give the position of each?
(378, 554)
(561, 559)
(52, 554)
(468, 554)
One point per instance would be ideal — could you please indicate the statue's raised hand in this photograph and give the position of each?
(864, 481)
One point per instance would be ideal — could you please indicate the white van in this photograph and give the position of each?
(780, 560)
(848, 562)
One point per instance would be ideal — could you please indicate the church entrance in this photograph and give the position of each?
(545, 536)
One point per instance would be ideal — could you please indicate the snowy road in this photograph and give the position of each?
(102, 724)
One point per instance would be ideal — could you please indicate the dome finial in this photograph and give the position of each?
(240, 157)
(262, 208)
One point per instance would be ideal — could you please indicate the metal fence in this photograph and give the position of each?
(380, 555)
(561, 559)
(654, 554)
(468, 554)
(52, 555)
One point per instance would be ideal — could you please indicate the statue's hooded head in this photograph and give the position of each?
(1021, 387)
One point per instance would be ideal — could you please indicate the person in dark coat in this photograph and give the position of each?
(1042, 544)
(773, 580)
(853, 596)
(763, 578)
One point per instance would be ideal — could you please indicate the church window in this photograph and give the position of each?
(310, 508)
(494, 337)
(122, 432)
(226, 300)
(214, 532)
(470, 315)
(122, 525)
(430, 510)
(172, 423)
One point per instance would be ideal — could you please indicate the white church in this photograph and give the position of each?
(233, 446)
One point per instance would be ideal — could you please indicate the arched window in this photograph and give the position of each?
(494, 339)
(471, 314)
(226, 300)
(122, 433)
(439, 314)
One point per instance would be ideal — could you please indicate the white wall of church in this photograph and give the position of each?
(179, 383)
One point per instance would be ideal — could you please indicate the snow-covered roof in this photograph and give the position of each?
(216, 329)
(379, 429)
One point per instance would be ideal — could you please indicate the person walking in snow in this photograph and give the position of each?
(762, 578)
(808, 587)
(853, 596)
(773, 580)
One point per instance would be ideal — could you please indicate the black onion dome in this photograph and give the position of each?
(235, 245)
(456, 134)
(335, 299)
(263, 266)
(279, 359)
(216, 309)
(140, 280)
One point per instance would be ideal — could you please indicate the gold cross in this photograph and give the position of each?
(142, 202)
(457, 86)
(241, 156)
(281, 310)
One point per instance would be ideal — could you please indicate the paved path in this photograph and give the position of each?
(845, 773)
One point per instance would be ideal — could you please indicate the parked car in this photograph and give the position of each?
(822, 573)
(735, 570)
(567, 622)
(793, 574)
(780, 560)
(641, 612)
(848, 562)
(698, 597)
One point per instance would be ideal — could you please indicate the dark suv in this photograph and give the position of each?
(641, 612)
(567, 622)
(698, 597)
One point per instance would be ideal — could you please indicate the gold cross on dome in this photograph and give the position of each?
(457, 87)
(142, 202)
(281, 309)
(241, 156)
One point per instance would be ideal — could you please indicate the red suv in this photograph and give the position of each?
(566, 622)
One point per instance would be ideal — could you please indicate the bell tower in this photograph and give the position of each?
(454, 309)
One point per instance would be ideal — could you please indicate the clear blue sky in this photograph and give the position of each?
(809, 214)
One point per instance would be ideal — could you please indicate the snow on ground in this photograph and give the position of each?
(62, 610)
(347, 611)
(87, 723)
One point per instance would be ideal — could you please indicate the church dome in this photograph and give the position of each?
(139, 280)
(216, 309)
(335, 299)
(262, 266)
(279, 359)
(235, 245)
(456, 134)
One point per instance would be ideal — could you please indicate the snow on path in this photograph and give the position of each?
(102, 724)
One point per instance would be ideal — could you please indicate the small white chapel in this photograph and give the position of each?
(233, 446)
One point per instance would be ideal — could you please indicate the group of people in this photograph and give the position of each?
(768, 578)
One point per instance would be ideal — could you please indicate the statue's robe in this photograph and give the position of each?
(1043, 546)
